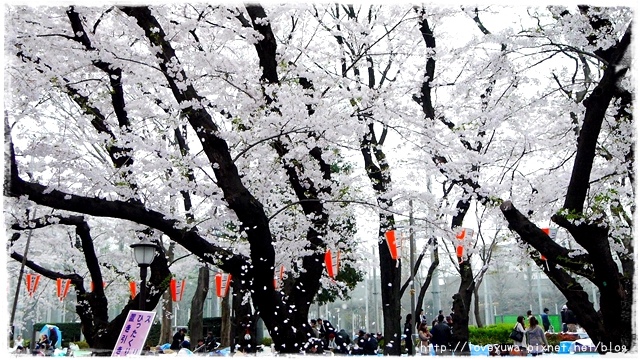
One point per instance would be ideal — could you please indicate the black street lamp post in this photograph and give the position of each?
(143, 252)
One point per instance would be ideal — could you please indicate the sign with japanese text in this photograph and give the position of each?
(134, 333)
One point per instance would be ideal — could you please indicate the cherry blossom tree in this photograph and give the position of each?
(229, 133)
(119, 81)
(598, 204)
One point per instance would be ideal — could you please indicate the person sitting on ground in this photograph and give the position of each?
(209, 342)
(343, 341)
(358, 347)
(370, 344)
(42, 345)
(201, 347)
(178, 339)
(18, 344)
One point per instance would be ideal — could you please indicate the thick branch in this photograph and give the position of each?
(539, 240)
(596, 105)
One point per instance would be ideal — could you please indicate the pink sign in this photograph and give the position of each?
(134, 333)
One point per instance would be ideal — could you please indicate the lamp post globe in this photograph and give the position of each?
(143, 252)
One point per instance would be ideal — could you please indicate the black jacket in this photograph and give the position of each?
(441, 335)
(570, 317)
(178, 338)
(370, 346)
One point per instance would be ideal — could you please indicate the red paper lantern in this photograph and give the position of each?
(62, 287)
(395, 246)
(32, 283)
(133, 288)
(552, 233)
(177, 289)
(278, 277)
(103, 285)
(332, 262)
(464, 237)
(222, 284)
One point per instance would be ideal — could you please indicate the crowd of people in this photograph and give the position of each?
(530, 337)
(324, 337)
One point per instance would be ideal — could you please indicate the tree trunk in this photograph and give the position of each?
(225, 327)
(432, 268)
(390, 271)
(166, 333)
(476, 307)
(197, 305)
(613, 327)
(243, 315)
(166, 323)
(461, 309)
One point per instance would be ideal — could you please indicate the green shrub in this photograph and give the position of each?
(82, 344)
(267, 341)
(490, 334)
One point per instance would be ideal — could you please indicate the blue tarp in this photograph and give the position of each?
(45, 330)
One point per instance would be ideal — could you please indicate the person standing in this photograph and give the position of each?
(545, 319)
(423, 318)
(441, 337)
(572, 322)
(53, 337)
(536, 339)
(563, 317)
(522, 344)
(529, 314)
(424, 335)
(435, 320)
(408, 333)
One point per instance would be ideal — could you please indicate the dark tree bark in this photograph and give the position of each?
(92, 308)
(257, 270)
(431, 244)
(166, 313)
(226, 339)
(614, 326)
(476, 306)
(432, 268)
(197, 305)
(462, 299)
